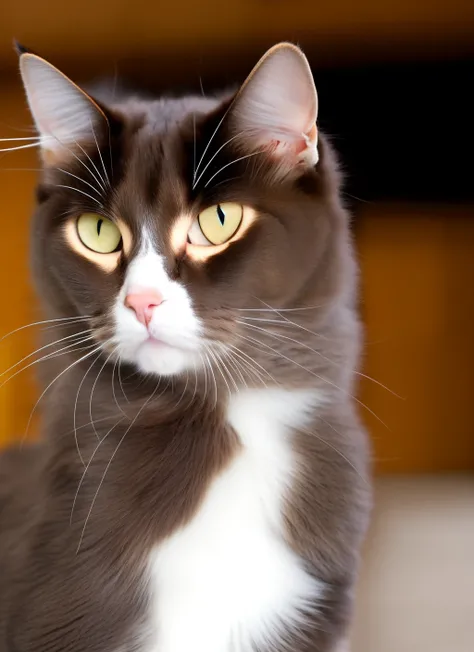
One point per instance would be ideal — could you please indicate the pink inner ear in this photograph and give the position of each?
(309, 140)
(304, 147)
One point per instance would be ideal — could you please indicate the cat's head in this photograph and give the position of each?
(167, 223)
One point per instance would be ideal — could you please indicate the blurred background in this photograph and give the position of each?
(395, 86)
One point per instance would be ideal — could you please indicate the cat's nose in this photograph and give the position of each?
(143, 304)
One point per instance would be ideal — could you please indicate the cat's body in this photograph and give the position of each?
(216, 500)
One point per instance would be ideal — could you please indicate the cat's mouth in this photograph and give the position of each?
(178, 342)
(163, 356)
(158, 344)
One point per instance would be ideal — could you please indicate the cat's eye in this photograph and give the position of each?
(216, 225)
(98, 233)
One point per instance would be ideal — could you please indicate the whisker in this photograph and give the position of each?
(213, 157)
(63, 144)
(120, 381)
(252, 361)
(277, 309)
(54, 354)
(280, 336)
(75, 405)
(236, 160)
(18, 147)
(111, 160)
(40, 323)
(110, 462)
(201, 86)
(82, 162)
(226, 180)
(79, 320)
(86, 468)
(101, 182)
(358, 373)
(84, 357)
(113, 381)
(212, 138)
(213, 356)
(230, 376)
(46, 346)
(336, 450)
(29, 129)
(12, 140)
(81, 180)
(269, 321)
(85, 425)
(294, 323)
(233, 362)
(250, 368)
(242, 364)
(195, 381)
(324, 380)
(100, 156)
(205, 378)
(184, 390)
(92, 393)
(250, 365)
(321, 355)
(60, 185)
(194, 145)
(216, 395)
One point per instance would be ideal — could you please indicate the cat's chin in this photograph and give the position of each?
(156, 357)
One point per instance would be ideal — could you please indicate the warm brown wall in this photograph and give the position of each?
(116, 30)
(17, 304)
(418, 305)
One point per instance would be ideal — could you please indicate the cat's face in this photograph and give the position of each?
(166, 222)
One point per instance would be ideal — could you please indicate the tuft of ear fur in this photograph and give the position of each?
(63, 113)
(277, 107)
(20, 49)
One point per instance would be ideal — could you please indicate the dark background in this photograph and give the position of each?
(404, 130)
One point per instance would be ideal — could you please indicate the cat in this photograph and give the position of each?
(202, 482)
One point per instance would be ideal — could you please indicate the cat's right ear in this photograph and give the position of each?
(276, 109)
(65, 116)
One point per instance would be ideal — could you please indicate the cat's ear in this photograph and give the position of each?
(277, 107)
(63, 113)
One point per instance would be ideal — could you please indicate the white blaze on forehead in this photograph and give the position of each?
(147, 270)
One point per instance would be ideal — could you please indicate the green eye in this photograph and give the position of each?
(99, 233)
(216, 224)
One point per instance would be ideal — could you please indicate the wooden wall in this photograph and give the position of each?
(417, 303)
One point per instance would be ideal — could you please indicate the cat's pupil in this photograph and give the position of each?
(99, 226)
(221, 215)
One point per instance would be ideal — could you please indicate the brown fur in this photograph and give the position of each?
(65, 589)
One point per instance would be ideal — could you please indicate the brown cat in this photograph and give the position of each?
(202, 483)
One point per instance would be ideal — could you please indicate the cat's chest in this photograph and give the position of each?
(228, 578)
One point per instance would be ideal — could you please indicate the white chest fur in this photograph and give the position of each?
(228, 578)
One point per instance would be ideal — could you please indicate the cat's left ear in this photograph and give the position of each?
(277, 107)
(63, 113)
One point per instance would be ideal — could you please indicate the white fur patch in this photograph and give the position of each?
(228, 579)
(174, 324)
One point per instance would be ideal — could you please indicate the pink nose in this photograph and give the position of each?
(143, 304)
